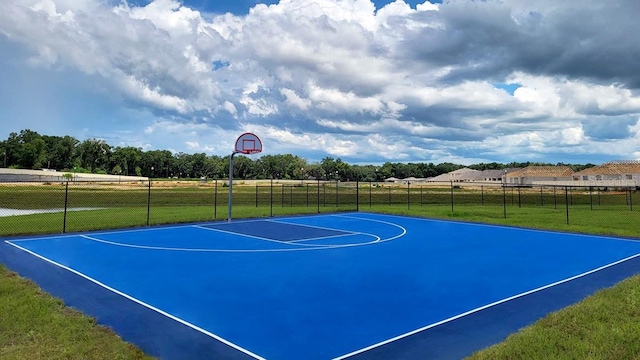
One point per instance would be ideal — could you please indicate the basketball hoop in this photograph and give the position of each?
(247, 143)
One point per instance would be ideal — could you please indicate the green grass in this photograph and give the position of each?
(604, 326)
(35, 325)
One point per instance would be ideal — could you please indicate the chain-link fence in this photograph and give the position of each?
(38, 208)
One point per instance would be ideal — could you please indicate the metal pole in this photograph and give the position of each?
(630, 199)
(370, 186)
(231, 184)
(66, 200)
(519, 198)
(591, 197)
(566, 201)
(324, 194)
(451, 196)
(555, 199)
(307, 194)
(318, 196)
(215, 199)
(282, 196)
(357, 194)
(336, 192)
(408, 195)
(256, 194)
(504, 200)
(571, 193)
(541, 197)
(149, 202)
(482, 195)
(271, 198)
(420, 195)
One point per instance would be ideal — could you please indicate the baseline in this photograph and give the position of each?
(517, 296)
(140, 302)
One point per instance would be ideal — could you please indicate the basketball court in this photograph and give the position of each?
(351, 285)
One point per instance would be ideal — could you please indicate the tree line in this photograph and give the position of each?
(30, 150)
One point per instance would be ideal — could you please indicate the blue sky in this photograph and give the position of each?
(460, 81)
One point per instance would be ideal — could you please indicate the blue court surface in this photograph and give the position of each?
(353, 285)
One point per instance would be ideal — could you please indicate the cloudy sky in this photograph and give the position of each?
(367, 81)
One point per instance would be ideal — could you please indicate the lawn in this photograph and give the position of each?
(35, 325)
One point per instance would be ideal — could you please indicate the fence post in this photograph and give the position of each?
(271, 197)
(566, 201)
(370, 186)
(282, 196)
(504, 200)
(215, 199)
(555, 199)
(451, 196)
(336, 192)
(149, 202)
(630, 200)
(324, 194)
(408, 195)
(571, 193)
(318, 195)
(291, 196)
(590, 197)
(541, 196)
(357, 194)
(389, 195)
(256, 194)
(519, 198)
(420, 195)
(307, 194)
(482, 195)
(66, 200)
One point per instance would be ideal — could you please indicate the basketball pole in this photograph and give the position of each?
(231, 184)
(246, 143)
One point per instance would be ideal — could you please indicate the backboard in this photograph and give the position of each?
(248, 143)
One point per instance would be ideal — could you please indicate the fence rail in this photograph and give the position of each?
(35, 208)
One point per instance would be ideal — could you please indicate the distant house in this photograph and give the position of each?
(391, 180)
(492, 176)
(621, 173)
(539, 175)
(460, 175)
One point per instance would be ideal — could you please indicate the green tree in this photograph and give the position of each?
(117, 170)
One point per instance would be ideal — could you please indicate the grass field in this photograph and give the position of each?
(604, 326)
(34, 325)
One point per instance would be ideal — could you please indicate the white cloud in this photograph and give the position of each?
(336, 74)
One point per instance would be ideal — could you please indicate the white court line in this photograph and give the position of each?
(404, 230)
(301, 247)
(184, 322)
(113, 231)
(606, 237)
(333, 237)
(482, 308)
(326, 228)
(249, 236)
(146, 247)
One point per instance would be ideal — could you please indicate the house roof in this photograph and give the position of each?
(441, 177)
(542, 171)
(619, 167)
(462, 171)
